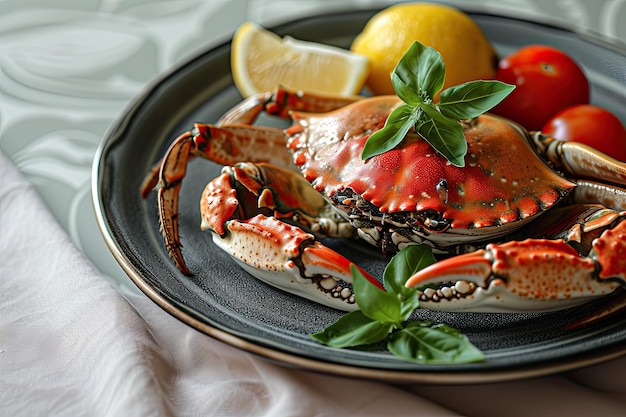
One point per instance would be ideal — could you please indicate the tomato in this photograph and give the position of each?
(547, 80)
(591, 125)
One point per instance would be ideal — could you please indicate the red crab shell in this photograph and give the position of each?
(503, 181)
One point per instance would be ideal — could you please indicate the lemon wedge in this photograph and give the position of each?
(261, 61)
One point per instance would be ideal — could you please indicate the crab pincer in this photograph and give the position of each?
(533, 274)
(257, 214)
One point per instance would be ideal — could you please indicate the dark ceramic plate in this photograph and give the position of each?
(223, 301)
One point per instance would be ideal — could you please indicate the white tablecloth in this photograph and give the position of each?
(76, 338)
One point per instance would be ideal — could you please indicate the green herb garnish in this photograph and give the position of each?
(417, 79)
(383, 314)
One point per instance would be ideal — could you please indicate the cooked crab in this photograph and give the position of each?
(283, 188)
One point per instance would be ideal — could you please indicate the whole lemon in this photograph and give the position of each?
(467, 53)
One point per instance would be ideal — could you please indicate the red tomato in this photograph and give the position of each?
(547, 80)
(591, 125)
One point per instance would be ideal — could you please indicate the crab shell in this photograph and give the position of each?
(503, 183)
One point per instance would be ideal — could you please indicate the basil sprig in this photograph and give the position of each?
(383, 314)
(417, 79)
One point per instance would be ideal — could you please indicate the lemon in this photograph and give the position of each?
(467, 53)
(262, 61)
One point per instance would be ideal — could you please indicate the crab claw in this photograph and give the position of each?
(522, 276)
(257, 214)
(290, 259)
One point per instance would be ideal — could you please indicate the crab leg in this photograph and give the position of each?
(280, 254)
(224, 145)
(594, 192)
(580, 160)
(281, 103)
(233, 138)
(207, 141)
(533, 274)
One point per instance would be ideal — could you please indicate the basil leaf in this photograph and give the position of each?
(375, 303)
(398, 124)
(443, 134)
(422, 343)
(471, 99)
(405, 92)
(353, 329)
(417, 78)
(422, 72)
(404, 264)
(401, 267)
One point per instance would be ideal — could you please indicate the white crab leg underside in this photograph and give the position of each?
(479, 284)
(289, 259)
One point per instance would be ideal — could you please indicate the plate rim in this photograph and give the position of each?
(438, 376)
